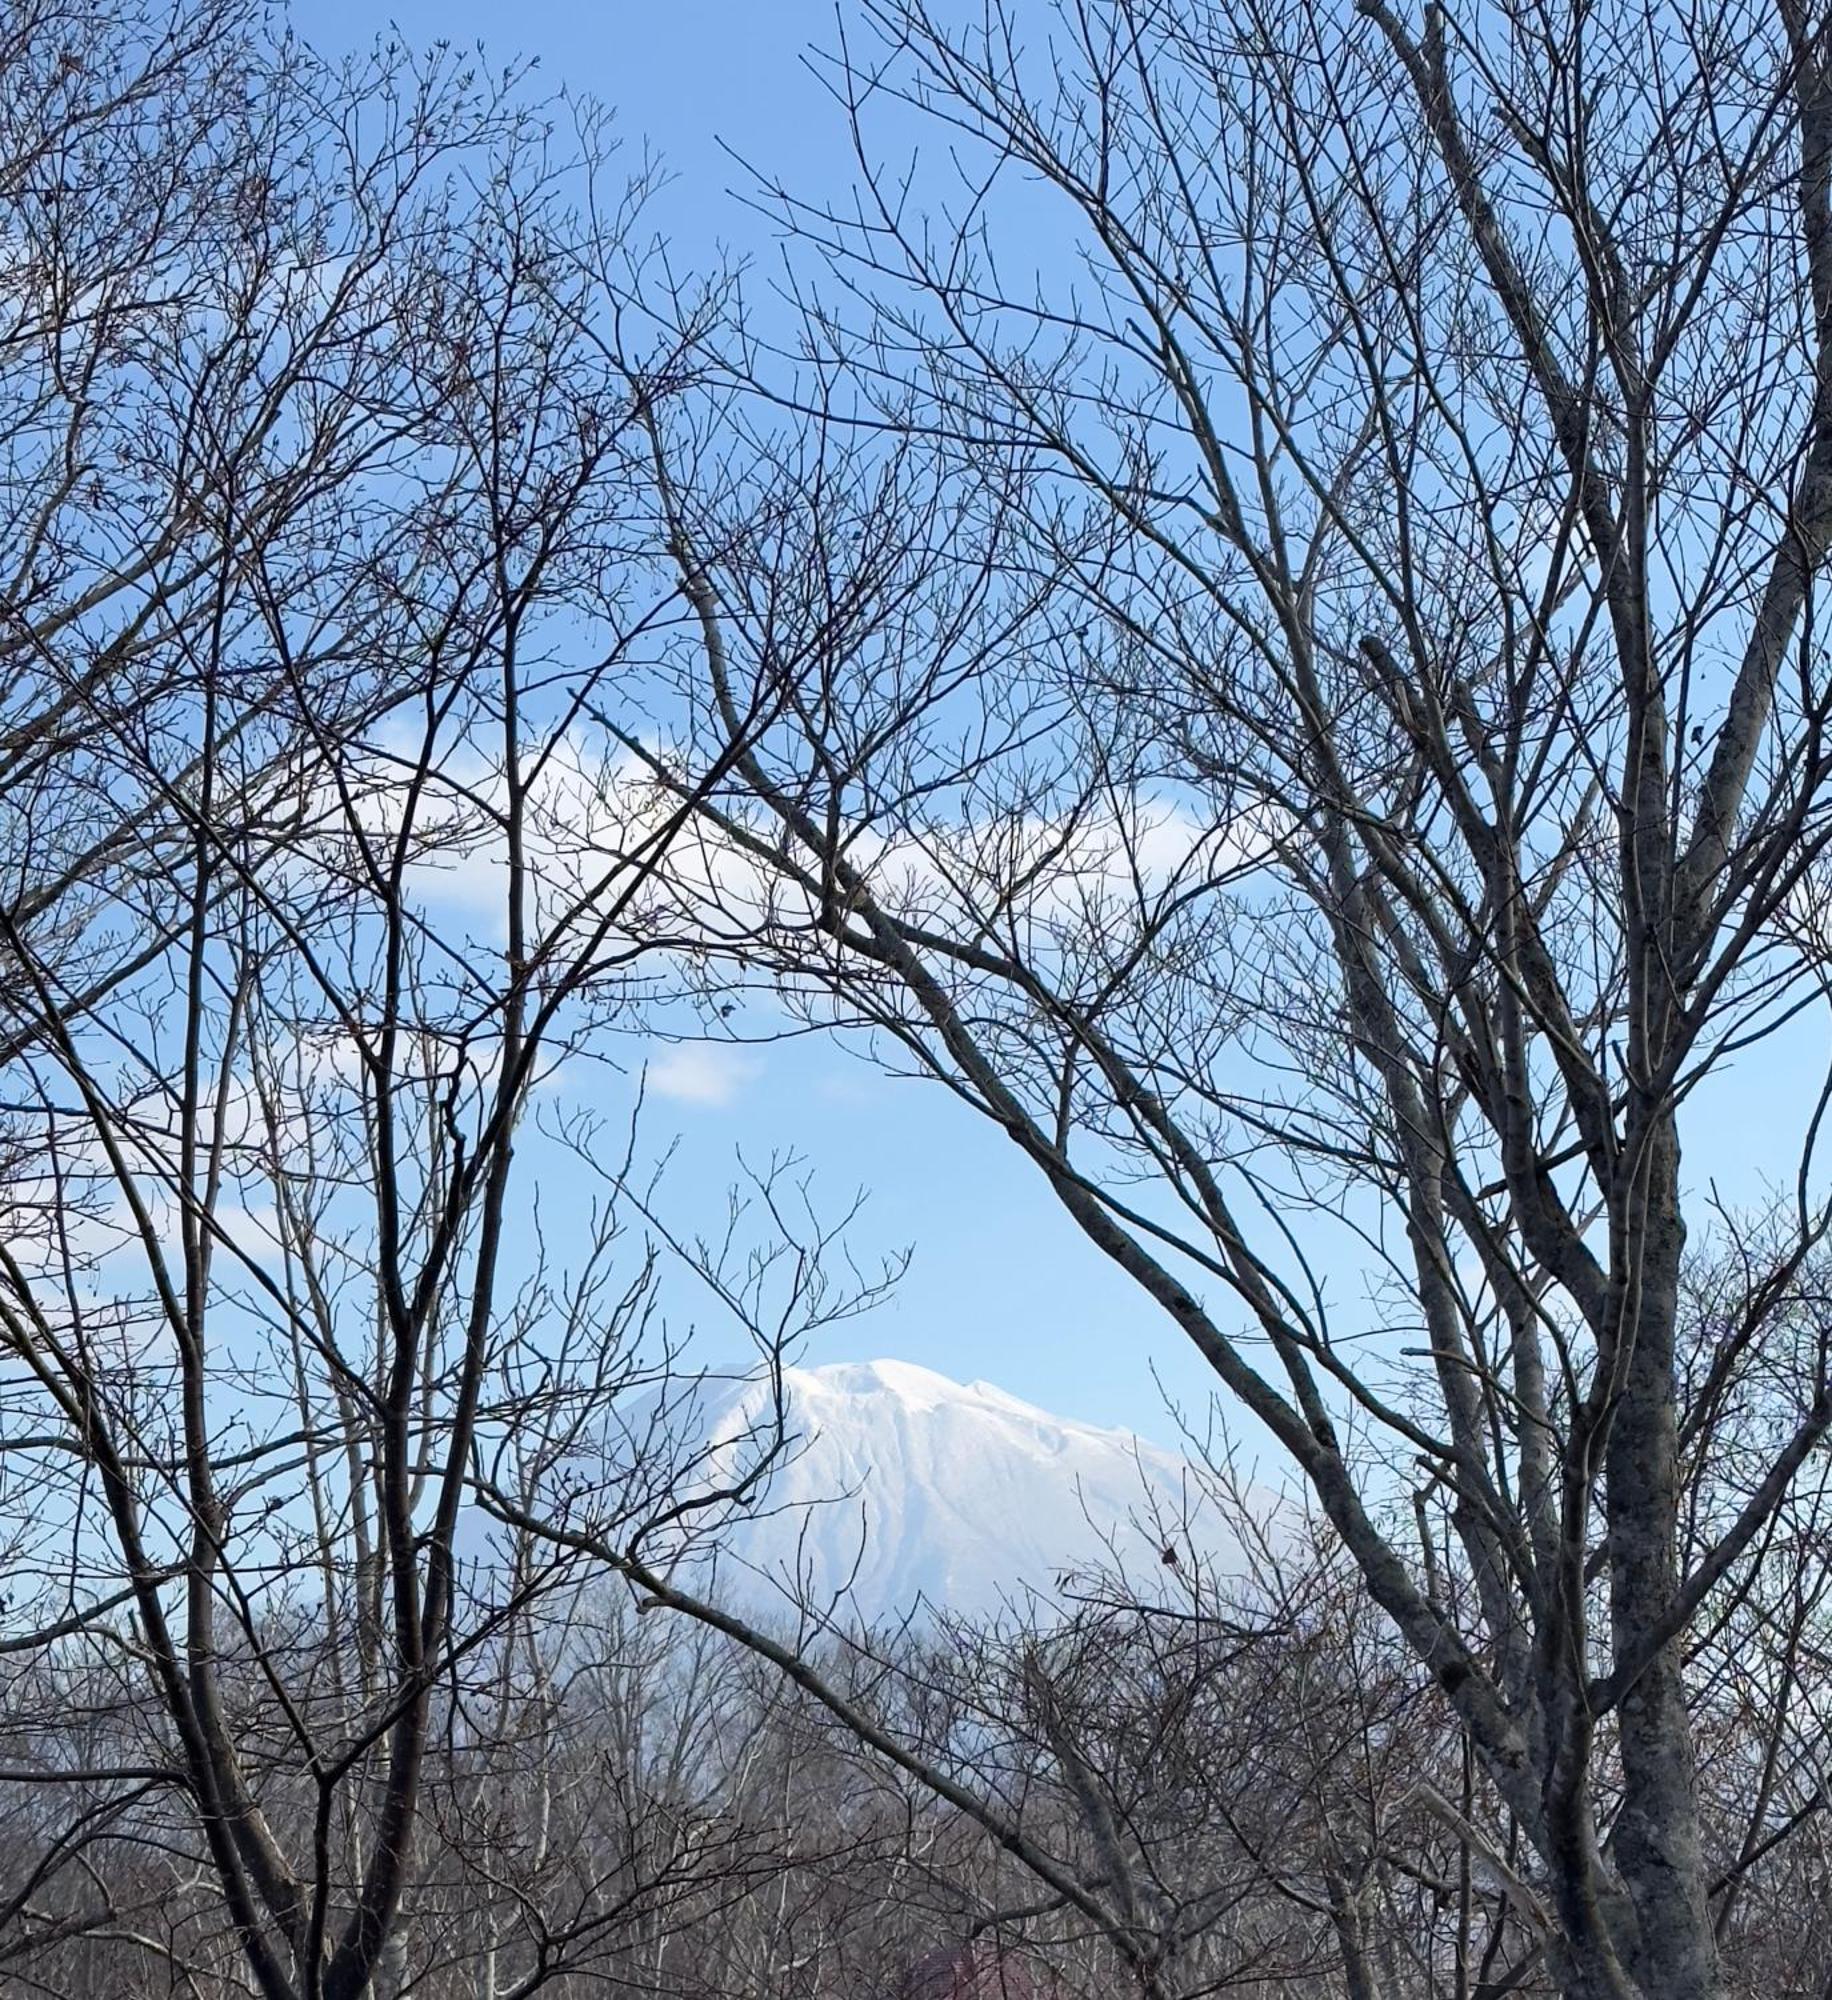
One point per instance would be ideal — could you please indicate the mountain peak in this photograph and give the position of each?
(920, 1387)
(904, 1485)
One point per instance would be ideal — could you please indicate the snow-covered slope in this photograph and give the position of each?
(907, 1486)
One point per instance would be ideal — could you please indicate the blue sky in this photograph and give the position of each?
(1001, 1286)
(687, 76)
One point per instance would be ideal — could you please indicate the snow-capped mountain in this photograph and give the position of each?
(901, 1485)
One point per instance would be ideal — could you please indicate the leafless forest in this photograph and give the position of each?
(1244, 598)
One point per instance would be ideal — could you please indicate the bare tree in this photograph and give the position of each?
(1298, 699)
(1308, 713)
(334, 559)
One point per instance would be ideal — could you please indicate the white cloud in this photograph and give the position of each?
(705, 1073)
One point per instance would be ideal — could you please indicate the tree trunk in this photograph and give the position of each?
(1657, 1847)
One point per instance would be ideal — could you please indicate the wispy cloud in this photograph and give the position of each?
(701, 1073)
